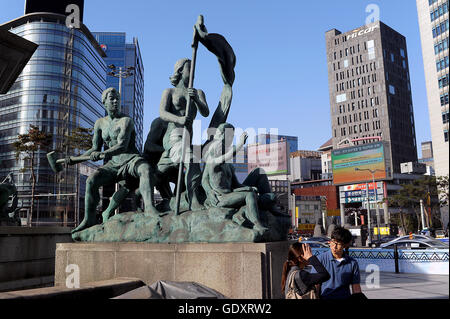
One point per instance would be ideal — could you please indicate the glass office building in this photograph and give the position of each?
(59, 89)
(122, 54)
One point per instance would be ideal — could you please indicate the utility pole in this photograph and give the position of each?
(377, 209)
(369, 221)
(422, 215)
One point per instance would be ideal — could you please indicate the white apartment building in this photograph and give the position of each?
(434, 25)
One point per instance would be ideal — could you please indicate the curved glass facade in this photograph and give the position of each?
(59, 89)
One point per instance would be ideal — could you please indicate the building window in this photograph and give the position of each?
(444, 99)
(341, 98)
(439, 11)
(371, 49)
(402, 53)
(391, 89)
(441, 46)
(440, 28)
(345, 63)
(443, 81)
(445, 117)
(446, 136)
(442, 64)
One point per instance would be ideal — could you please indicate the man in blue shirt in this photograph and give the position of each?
(343, 270)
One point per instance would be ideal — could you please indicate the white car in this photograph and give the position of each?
(315, 244)
(415, 244)
(418, 237)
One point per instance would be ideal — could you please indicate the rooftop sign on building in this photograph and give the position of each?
(59, 7)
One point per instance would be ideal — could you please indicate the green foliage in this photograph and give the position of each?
(79, 140)
(410, 195)
(428, 190)
(29, 143)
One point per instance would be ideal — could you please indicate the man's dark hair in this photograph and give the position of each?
(342, 235)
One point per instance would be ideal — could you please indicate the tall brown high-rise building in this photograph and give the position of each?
(370, 91)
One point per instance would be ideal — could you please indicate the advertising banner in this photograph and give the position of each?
(273, 158)
(368, 156)
(357, 193)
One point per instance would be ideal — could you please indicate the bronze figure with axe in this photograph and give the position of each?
(57, 164)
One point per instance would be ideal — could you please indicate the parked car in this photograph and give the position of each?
(421, 237)
(415, 244)
(320, 239)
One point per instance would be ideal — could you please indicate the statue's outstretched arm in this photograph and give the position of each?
(233, 150)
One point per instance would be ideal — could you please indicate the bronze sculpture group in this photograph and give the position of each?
(210, 204)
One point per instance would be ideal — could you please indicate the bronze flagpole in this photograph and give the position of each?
(194, 46)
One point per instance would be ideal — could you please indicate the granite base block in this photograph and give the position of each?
(237, 270)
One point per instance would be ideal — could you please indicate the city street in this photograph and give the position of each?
(407, 286)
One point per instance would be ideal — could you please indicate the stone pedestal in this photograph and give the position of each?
(237, 270)
(27, 256)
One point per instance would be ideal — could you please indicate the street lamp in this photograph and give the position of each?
(121, 72)
(372, 171)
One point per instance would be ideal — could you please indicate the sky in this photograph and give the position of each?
(281, 69)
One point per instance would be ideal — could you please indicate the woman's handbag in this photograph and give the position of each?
(294, 293)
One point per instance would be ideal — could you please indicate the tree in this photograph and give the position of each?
(410, 195)
(26, 147)
(406, 198)
(80, 139)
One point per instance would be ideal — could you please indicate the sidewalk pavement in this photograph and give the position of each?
(405, 286)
